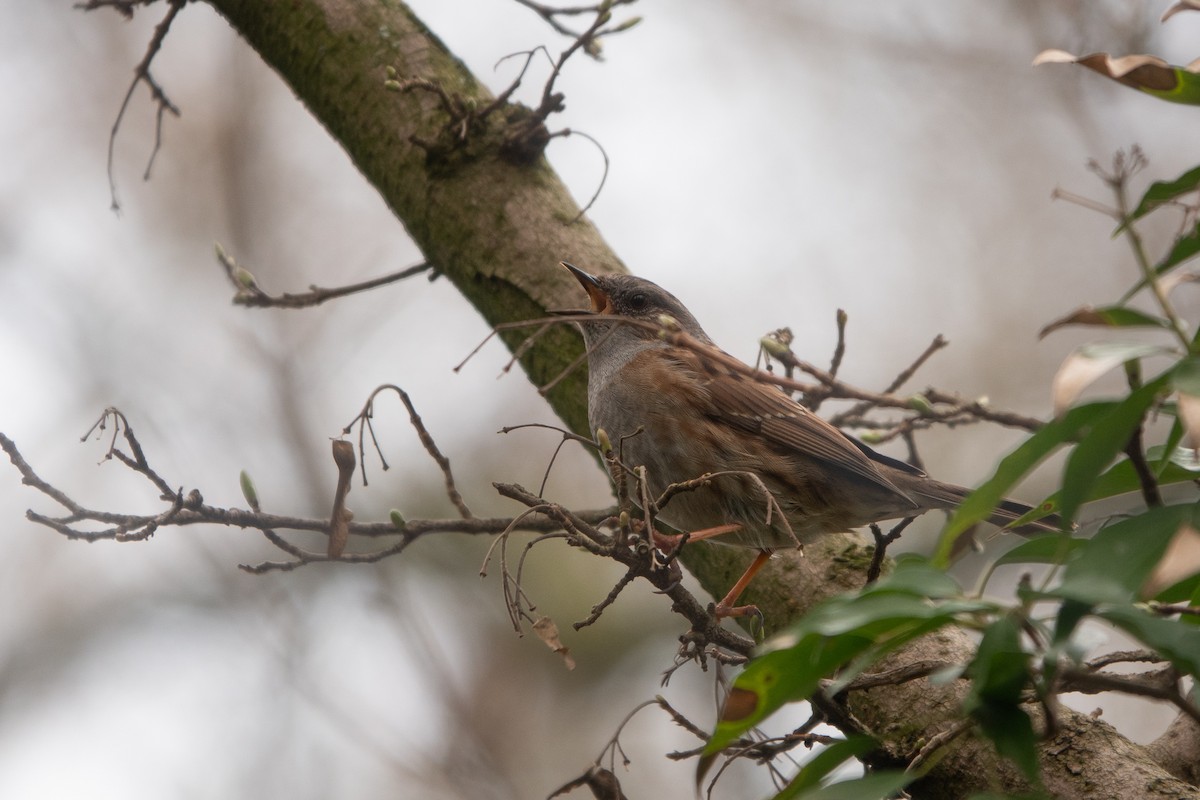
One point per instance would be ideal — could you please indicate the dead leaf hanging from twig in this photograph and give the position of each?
(1149, 74)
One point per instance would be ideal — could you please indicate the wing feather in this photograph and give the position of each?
(767, 412)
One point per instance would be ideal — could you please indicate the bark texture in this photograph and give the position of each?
(496, 223)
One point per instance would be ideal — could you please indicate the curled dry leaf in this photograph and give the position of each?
(547, 631)
(1181, 560)
(339, 518)
(1085, 365)
(1181, 5)
(1173, 280)
(1147, 73)
(1189, 415)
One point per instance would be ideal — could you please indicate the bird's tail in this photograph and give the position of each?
(949, 496)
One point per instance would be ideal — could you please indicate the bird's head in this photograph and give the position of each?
(633, 298)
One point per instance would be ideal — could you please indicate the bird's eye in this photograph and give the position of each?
(639, 301)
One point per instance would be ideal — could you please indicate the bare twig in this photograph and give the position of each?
(882, 540)
(896, 676)
(249, 293)
(1161, 685)
(937, 742)
(141, 74)
(364, 418)
(339, 518)
(839, 351)
(191, 510)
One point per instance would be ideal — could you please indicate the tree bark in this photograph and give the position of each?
(496, 224)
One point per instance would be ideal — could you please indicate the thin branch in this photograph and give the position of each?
(937, 742)
(193, 511)
(839, 351)
(882, 540)
(1073, 679)
(249, 294)
(364, 418)
(141, 74)
(603, 177)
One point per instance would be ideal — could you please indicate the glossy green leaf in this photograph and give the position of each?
(1113, 567)
(1184, 459)
(1000, 669)
(1183, 249)
(1122, 478)
(819, 766)
(1049, 549)
(1185, 591)
(780, 677)
(1164, 191)
(1105, 439)
(1185, 376)
(842, 636)
(1000, 673)
(1186, 247)
(916, 575)
(869, 787)
(1171, 638)
(1106, 317)
(979, 504)
(1011, 731)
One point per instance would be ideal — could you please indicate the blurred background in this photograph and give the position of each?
(771, 163)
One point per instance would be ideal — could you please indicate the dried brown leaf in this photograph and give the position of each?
(1138, 71)
(339, 518)
(1189, 415)
(547, 631)
(1180, 5)
(1180, 561)
(1077, 372)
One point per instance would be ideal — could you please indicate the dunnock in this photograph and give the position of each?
(682, 416)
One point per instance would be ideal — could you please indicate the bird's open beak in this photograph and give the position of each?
(600, 302)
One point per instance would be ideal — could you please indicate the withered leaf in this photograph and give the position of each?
(1146, 73)
(547, 631)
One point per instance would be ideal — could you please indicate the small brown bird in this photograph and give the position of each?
(682, 415)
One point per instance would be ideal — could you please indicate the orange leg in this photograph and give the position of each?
(726, 607)
(667, 543)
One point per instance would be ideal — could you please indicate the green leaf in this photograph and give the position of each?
(1011, 731)
(1107, 317)
(1122, 478)
(842, 636)
(869, 787)
(1185, 459)
(1000, 669)
(999, 674)
(1163, 191)
(819, 766)
(1101, 444)
(780, 677)
(1049, 549)
(1185, 248)
(1070, 614)
(1186, 591)
(1171, 638)
(1185, 376)
(1113, 567)
(979, 504)
(915, 575)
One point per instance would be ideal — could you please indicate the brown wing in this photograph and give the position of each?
(765, 411)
